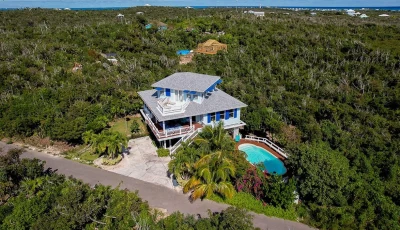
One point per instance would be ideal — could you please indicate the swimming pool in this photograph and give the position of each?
(256, 155)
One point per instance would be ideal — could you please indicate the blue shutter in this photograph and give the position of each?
(168, 92)
(226, 114)
(235, 113)
(218, 115)
(209, 118)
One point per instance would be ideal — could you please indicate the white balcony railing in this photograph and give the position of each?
(269, 143)
(240, 124)
(166, 107)
(189, 136)
(175, 131)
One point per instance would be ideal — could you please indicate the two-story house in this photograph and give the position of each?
(182, 103)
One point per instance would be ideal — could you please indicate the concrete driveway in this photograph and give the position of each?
(156, 195)
(141, 162)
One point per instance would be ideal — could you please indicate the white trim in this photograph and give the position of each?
(269, 143)
(166, 133)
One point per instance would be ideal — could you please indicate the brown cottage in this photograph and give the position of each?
(211, 47)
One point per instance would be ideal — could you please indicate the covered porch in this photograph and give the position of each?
(167, 130)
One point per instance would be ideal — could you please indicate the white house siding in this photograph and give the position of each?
(175, 92)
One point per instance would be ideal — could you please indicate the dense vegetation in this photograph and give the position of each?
(326, 88)
(34, 198)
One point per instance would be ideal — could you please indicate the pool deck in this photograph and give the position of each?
(262, 145)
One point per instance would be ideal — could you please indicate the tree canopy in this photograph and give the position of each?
(324, 87)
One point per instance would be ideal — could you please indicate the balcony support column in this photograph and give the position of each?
(163, 127)
(190, 120)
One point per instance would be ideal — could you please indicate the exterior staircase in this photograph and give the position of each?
(189, 136)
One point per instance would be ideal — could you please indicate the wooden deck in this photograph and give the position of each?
(262, 145)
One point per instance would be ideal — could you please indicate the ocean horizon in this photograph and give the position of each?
(384, 8)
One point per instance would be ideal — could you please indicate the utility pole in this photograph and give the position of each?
(236, 6)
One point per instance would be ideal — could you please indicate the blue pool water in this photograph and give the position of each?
(256, 155)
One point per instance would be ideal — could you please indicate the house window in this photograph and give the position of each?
(213, 117)
(231, 113)
(222, 115)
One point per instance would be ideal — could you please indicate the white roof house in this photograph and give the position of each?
(363, 16)
(259, 14)
(351, 12)
(384, 15)
(182, 103)
(256, 13)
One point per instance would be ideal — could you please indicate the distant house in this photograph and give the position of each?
(256, 13)
(383, 15)
(162, 26)
(211, 47)
(313, 13)
(111, 57)
(139, 13)
(363, 16)
(259, 14)
(77, 66)
(350, 12)
(120, 17)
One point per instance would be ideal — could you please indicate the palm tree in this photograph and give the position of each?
(114, 143)
(213, 172)
(87, 136)
(183, 161)
(215, 138)
(109, 143)
(180, 166)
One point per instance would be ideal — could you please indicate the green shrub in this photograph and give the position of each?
(107, 161)
(247, 201)
(162, 152)
(9, 142)
(135, 127)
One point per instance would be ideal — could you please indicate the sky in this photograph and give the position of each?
(129, 3)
